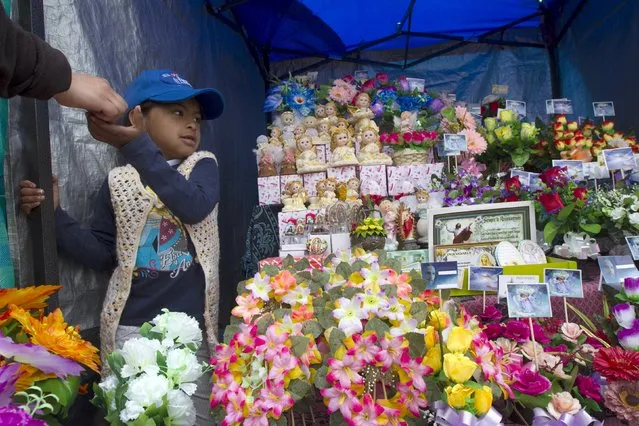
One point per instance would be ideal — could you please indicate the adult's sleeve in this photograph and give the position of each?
(28, 65)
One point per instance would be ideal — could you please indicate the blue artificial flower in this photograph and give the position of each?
(386, 96)
(273, 99)
(408, 103)
(300, 99)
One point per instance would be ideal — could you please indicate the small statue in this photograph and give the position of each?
(288, 166)
(363, 115)
(422, 197)
(406, 121)
(329, 197)
(323, 130)
(352, 191)
(294, 196)
(276, 137)
(320, 189)
(370, 148)
(287, 120)
(307, 161)
(389, 214)
(299, 130)
(342, 151)
(267, 157)
(342, 123)
(310, 123)
(331, 113)
(320, 111)
(406, 227)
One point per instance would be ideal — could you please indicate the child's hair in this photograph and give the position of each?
(145, 106)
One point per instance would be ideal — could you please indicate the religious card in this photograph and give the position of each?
(549, 108)
(575, 167)
(633, 245)
(504, 280)
(594, 170)
(619, 159)
(562, 106)
(440, 275)
(517, 106)
(604, 109)
(454, 142)
(614, 269)
(529, 301)
(564, 282)
(524, 177)
(484, 278)
(361, 75)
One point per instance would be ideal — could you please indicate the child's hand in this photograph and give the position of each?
(31, 196)
(115, 134)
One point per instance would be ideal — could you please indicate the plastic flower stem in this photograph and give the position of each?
(519, 415)
(384, 389)
(583, 317)
(484, 301)
(566, 309)
(303, 419)
(606, 307)
(532, 335)
(312, 415)
(591, 334)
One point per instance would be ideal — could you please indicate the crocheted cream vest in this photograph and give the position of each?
(132, 204)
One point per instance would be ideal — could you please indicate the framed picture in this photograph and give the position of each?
(564, 282)
(482, 278)
(529, 301)
(440, 275)
(481, 223)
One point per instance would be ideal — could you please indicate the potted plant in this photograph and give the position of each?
(369, 233)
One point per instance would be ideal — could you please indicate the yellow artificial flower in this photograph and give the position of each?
(433, 359)
(356, 278)
(56, 336)
(28, 375)
(490, 123)
(430, 337)
(458, 368)
(34, 297)
(506, 115)
(439, 320)
(459, 340)
(483, 400)
(504, 134)
(458, 395)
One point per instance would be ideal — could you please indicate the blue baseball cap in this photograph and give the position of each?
(166, 86)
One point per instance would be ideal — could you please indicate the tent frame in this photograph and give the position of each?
(261, 53)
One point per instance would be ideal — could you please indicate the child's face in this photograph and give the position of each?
(175, 128)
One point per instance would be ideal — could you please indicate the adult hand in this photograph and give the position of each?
(93, 94)
(115, 134)
(31, 196)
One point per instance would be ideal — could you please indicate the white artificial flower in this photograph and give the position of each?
(178, 327)
(405, 327)
(350, 316)
(182, 366)
(140, 356)
(131, 412)
(148, 389)
(372, 303)
(618, 213)
(109, 384)
(634, 219)
(298, 296)
(180, 408)
(260, 287)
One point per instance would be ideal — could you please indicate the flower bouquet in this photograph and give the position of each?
(370, 234)
(464, 188)
(459, 120)
(42, 358)
(154, 376)
(291, 95)
(620, 211)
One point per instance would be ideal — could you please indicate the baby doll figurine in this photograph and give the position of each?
(320, 111)
(362, 115)
(287, 120)
(310, 124)
(265, 161)
(329, 198)
(389, 214)
(370, 148)
(352, 191)
(320, 189)
(406, 121)
(331, 113)
(307, 161)
(323, 129)
(342, 151)
(276, 137)
(294, 196)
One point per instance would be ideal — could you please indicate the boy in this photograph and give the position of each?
(162, 207)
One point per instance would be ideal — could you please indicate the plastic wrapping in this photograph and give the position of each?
(117, 39)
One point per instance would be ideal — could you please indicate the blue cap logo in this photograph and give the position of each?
(174, 78)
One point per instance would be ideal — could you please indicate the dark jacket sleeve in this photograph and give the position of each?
(29, 66)
(94, 247)
(191, 200)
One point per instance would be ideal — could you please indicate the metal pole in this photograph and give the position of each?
(34, 122)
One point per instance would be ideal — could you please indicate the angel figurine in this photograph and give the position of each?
(323, 130)
(287, 120)
(320, 189)
(342, 151)
(294, 196)
(288, 165)
(331, 113)
(362, 115)
(267, 156)
(352, 191)
(406, 121)
(310, 123)
(422, 197)
(370, 148)
(406, 226)
(276, 136)
(329, 197)
(307, 161)
(320, 111)
(389, 214)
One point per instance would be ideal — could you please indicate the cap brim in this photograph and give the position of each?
(211, 101)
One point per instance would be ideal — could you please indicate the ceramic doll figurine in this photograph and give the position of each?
(276, 137)
(406, 226)
(389, 214)
(320, 189)
(294, 196)
(264, 156)
(329, 198)
(370, 148)
(323, 130)
(320, 111)
(362, 115)
(288, 166)
(342, 151)
(331, 113)
(307, 161)
(342, 123)
(310, 123)
(406, 121)
(422, 197)
(352, 191)
(287, 120)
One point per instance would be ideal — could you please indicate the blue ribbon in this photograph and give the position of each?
(448, 416)
(542, 418)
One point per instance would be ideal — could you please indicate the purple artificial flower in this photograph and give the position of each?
(563, 349)
(531, 382)
(494, 330)
(40, 358)
(540, 334)
(403, 83)
(624, 314)
(491, 313)
(588, 388)
(517, 331)
(8, 379)
(629, 338)
(436, 105)
(631, 288)
(15, 416)
(378, 109)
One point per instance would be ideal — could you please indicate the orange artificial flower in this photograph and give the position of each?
(28, 375)
(282, 283)
(34, 297)
(303, 313)
(53, 333)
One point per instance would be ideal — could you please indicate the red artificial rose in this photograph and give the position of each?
(368, 85)
(551, 202)
(381, 77)
(408, 137)
(348, 78)
(512, 184)
(511, 198)
(554, 176)
(384, 138)
(580, 193)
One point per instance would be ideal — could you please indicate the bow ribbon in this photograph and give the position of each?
(581, 418)
(448, 416)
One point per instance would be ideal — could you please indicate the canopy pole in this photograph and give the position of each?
(410, 23)
(570, 20)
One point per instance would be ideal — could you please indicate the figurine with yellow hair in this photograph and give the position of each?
(342, 151)
(361, 114)
(370, 148)
(294, 196)
(329, 198)
(306, 159)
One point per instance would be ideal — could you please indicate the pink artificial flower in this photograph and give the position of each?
(416, 371)
(235, 408)
(494, 330)
(365, 348)
(540, 334)
(342, 92)
(381, 77)
(344, 371)
(465, 118)
(342, 399)
(247, 307)
(472, 167)
(271, 343)
(391, 351)
(476, 142)
(282, 364)
(491, 313)
(484, 355)
(371, 415)
(246, 337)
(408, 137)
(401, 281)
(394, 138)
(224, 355)
(403, 83)
(368, 85)
(588, 388)
(531, 382)
(384, 137)
(348, 78)
(412, 399)
(275, 399)
(517, 330)
(256, 416)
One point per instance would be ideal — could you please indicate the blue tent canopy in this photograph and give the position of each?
(286, 29)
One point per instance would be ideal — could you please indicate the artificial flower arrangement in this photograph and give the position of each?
(42, 358)
(460, 121)
(619, 208)
(510, 142)
(291, 95)
(464, 188)
(152, 377)
(370, 233)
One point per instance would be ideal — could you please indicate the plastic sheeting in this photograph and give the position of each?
(117, 39)
(469, 73)
(598, 59)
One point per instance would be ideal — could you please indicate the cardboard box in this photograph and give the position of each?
(373, 180)
(418, 175)
(342, 174)
(268, 189)
(310, 182)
